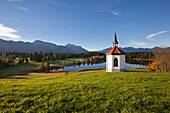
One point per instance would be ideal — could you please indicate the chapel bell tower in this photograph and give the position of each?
(115, 58)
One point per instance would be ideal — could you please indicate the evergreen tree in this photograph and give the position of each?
(48, 56)
(26, 60)
(37, 56)
(44, 57)
(31, 56)
(56, 56)
(1, 63)
(51, 55)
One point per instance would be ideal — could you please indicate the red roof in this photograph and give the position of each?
(115, 51)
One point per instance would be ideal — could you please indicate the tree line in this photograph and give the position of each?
(141, 55)
(39, 57)
(8, 59)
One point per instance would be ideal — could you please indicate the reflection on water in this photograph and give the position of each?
(101, 65)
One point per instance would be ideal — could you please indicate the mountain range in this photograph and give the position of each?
(38, 45)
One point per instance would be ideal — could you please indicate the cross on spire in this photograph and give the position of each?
(115, 42)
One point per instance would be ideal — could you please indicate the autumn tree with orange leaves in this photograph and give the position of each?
(162, 61)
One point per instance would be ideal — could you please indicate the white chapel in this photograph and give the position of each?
(115, 58)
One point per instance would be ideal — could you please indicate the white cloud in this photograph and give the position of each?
(15, 0)
(22, 8)
(155, 34)
(138, 43)
(8, 32)
(115, 12)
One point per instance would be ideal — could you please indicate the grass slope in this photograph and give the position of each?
(90, 91)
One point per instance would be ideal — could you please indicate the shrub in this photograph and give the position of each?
(153, 66)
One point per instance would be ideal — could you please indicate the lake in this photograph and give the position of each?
(101, 65)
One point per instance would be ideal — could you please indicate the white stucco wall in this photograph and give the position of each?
(110, 63)
(122, 61)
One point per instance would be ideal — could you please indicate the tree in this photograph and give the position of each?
(37, 56)
(88, 60)
(51, 55)
(31, 56)
(40, 56)
(163, 59)
(44, 57)
(41, 67)
(91, 59)
(1, 64)
(153, 66)
(56, 56)
(21, 60)
(26, 60)
(46, 64)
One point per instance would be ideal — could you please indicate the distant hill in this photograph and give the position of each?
(132, 49)
(19, 46)
(38, 45)
(76, 49)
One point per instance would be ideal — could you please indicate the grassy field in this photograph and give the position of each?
(90, 91)
(32, 65)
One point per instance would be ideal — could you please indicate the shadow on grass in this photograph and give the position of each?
(18, 77)
(14, 70)
(15, 76)
(136, 70)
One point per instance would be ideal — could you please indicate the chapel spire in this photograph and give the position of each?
(115, 40)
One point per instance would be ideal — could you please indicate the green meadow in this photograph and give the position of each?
(89, 91)
(31, 65)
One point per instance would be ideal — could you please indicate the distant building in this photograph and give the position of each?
(115, 58)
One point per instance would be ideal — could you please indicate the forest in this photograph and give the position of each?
(141, 55)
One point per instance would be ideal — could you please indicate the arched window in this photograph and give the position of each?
(115, 62)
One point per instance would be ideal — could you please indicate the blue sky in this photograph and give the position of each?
(88, 23)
